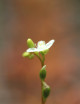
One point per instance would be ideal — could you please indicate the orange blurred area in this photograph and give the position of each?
(39, 20)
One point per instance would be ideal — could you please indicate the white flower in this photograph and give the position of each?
(41, 46)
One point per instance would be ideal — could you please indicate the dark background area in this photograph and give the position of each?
(39, 20)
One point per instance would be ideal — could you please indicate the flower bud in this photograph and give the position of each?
(46, 51)
(31, 56)
(36, 53)
(42, 73)
(26, 54)
(45, 91)
(30, 43)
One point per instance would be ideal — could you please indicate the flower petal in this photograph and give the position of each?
(50, 43)
(31, 50)
(41, 49)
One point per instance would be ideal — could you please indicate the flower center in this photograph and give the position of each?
(41, 44)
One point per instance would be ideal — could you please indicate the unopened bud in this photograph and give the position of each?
(46, 51)
(36, 53)
(31, 56)
(26, 54)
(45, 91)
(30, 43)
(43, 72)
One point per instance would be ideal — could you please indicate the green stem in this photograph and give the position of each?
(39, 59)
(43, 59)
(42, 64)
(43, 102)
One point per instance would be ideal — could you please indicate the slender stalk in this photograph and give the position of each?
(40, 59)
(43, 102)
(42, 64)
(41, 92)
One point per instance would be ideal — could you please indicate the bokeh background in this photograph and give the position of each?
(39, 20)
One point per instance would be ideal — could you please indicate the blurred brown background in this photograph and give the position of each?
(39, 20)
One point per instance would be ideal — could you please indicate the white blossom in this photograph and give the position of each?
(41, 46)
